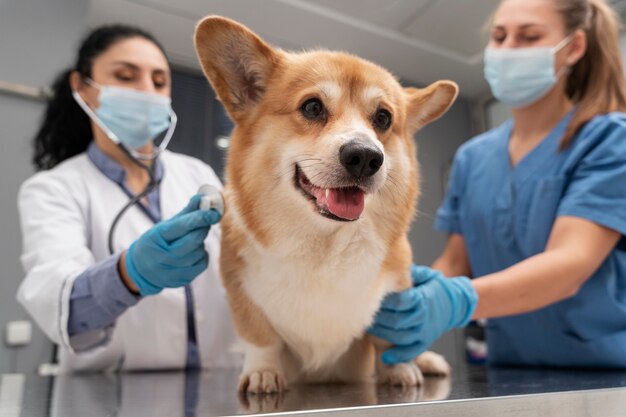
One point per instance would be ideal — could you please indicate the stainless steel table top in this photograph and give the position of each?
(475, 391)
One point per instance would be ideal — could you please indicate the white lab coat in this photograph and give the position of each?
(65, 214)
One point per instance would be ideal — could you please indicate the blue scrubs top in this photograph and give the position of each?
(505, 215)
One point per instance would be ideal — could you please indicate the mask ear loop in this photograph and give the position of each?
(562, 44)
(565, 69)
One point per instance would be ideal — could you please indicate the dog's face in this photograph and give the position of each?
(329, 132)
(337, 126)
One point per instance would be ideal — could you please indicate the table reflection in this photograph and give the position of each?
(189, 394)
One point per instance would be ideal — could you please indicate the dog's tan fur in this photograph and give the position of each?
(270, 231)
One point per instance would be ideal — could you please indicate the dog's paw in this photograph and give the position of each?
(433, 364)
(262, 381)
(403, 374)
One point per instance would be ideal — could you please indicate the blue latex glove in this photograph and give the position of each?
(171, 253)
(414, 319)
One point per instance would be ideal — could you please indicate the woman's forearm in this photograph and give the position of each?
(128, 282)
(538, 281)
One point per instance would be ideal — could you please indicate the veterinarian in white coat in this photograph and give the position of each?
(535, 208)
(145, 296)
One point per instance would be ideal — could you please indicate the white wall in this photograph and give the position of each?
(37, 39)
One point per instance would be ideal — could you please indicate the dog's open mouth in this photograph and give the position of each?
(342, 204)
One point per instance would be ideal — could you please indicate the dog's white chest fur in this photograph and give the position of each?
(319, 306)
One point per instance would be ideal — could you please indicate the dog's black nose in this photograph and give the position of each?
(360, 160)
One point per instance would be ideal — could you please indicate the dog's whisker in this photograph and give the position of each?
(393, 184)
(320, 177)
(287, 171)
(308, 159)
(311, 165)
(282, 174)
(423, 215)
(393, 180)
(302, 155)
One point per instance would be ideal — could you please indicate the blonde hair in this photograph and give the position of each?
(596, 82)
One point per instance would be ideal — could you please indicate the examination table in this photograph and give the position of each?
(470, 391)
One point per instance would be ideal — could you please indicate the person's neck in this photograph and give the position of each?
(134, 173)
(537, 119)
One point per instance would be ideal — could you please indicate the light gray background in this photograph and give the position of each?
(44, 32)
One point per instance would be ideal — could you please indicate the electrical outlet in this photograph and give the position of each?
(18, 333)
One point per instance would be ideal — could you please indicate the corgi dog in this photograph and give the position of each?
(321, 188)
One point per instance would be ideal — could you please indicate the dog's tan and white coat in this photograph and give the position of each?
(322, 183)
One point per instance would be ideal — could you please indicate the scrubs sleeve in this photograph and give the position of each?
(448, 219)
(597, 190)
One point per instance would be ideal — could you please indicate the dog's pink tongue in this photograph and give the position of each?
(347, 203)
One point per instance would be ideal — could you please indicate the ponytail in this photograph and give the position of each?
(596, 83)
(66, 130)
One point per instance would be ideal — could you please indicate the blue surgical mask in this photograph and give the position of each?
(130, 117)
(521, 76)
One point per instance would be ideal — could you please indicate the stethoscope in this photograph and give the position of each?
(152, 184)
(136, 157)
(212, 198)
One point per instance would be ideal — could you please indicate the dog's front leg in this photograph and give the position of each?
(404, 374)
(262, 369)
(395, 272)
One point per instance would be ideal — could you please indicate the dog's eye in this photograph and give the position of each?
(382, 119)
(313, 109)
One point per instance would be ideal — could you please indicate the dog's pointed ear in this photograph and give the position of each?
(236, 61)
(426, 105)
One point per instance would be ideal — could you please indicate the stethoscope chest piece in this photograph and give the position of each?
(211, 198)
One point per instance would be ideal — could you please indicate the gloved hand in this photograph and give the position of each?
(414, 319)
(171, 253)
